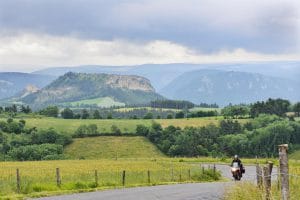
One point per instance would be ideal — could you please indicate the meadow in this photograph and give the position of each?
(104, 102)
(39, 178)
(112, 147)
(69, 126)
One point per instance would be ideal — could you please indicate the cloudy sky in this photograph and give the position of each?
(41, 33)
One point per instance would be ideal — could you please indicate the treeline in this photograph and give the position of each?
(277, 107)
(15, 109)
(259, 137)
(20, 143)
(173, 104)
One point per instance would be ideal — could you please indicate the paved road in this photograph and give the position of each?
(201, 191)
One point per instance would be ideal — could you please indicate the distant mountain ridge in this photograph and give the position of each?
(161, 75)
(12, 83)
(81, 86)
(224, 87)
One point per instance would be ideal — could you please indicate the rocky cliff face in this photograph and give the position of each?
(130, 82)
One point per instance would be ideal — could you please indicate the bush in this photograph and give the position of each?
(115, 130)
(35, 152)
(85, 131)
(142, 130)
(50, 136)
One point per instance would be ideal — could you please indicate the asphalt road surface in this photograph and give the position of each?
(191, 191)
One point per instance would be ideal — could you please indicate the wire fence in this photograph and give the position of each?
(39, 180)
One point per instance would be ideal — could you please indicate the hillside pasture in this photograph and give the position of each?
(104, 102)
(69, 126)
(107, 147)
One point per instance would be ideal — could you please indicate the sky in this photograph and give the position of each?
(36, 34)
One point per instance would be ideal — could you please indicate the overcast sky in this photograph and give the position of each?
(41, 33)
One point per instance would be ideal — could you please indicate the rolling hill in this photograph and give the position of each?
(224, 87)
(107, 147)
(73, 87)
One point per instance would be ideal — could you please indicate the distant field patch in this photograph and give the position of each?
(205, 109)
(69, 126)
(146, 108)
(112, 147)
(104, 102)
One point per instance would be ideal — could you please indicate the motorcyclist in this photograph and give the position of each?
(236, 159)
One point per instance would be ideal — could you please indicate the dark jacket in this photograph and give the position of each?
(238, 161)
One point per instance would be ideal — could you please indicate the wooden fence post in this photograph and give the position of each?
(180, 179)
(259, 176)
(172, 174)
(214, 169)
(149, 180)
(58, 178)
(267, 179)
(284, 171)
(96, 178)
(189, 174)
(18, 181)
(123, 177)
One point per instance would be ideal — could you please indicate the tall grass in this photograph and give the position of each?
(39, 178)
(249, 191)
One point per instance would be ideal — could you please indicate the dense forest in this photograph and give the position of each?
(259, 137)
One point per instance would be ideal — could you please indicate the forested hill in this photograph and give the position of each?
(224, 87)
(80, 86)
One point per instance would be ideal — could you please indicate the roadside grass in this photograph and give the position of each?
(39, 178)
(69, 126)
(249, 191)
(112, 147)
(295, 155)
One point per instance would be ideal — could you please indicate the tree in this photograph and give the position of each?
(67, 113)
(97, 115)
(50, 111)
(169, 116)
(84, 114)
(179, 115)
(296, 109)
(25, 109)
(149, 115)
(115, 130)
(142, 130)
(109, 116)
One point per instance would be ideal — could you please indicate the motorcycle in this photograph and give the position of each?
(236, 171)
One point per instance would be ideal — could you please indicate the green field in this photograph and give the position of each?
(146, 108)
(69, 126)
(107, 147)
(39, 178)
(104, 102)
(205, 109)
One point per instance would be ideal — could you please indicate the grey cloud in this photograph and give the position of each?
(204, 25)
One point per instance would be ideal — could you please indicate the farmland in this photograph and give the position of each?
(39, 178)
(126, 125)
(112, 147)
(104, 102)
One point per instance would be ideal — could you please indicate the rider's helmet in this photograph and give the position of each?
(236, 156)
